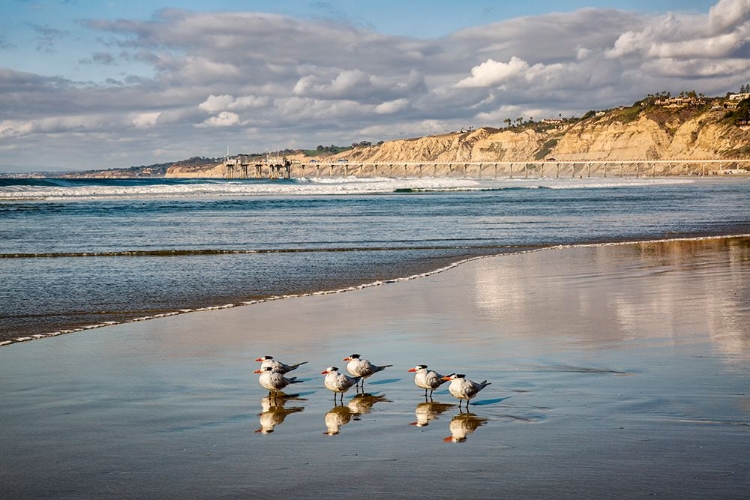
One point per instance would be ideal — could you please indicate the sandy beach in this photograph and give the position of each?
(617, 371)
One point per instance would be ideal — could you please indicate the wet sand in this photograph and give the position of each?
(617, 372)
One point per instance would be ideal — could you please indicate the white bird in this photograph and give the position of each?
(362, 368)
(277, 366)
(274, 381)
(338, 382)
(462, 388)
(427, 379)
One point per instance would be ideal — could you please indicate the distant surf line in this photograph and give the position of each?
(202, 252)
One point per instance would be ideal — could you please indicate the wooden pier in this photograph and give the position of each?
(255, 167)
(246, 167)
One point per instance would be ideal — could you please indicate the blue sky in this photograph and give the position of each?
(88, 84)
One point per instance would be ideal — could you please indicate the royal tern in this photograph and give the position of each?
(462, 388)
(362, 368)
(427, 379)
(277, 366)
(338, 382)
(274, 381)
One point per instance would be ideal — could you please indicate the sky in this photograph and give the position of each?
(90, 84)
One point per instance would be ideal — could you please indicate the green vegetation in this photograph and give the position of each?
(588, 114)
(734, 116)
(326, 150)
(630, 114)
(546, 149)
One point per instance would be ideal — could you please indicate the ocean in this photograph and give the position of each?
(79, 254)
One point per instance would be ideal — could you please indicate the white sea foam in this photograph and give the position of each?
(306, 187)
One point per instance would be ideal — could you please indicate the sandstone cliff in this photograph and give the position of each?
(614, 136)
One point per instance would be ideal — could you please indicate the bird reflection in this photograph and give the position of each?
(338, 416)
(274, 412)
(462, 425)
(427, 412)
(362, 403)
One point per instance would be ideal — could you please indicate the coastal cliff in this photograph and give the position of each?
(618, 135)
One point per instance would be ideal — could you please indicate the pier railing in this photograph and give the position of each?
(276, 168)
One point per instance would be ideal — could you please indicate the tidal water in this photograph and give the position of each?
(81, 253)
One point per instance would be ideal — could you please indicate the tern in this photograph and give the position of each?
(362, 368)
(338, 382)
(274, 381)
(427, 379)
(462, 388)
(277, 366)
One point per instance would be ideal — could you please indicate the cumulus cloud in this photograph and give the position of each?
(391, 107)
(720, 34)
(146, 120)
(216, 103)
(223, 119)
(492, 73)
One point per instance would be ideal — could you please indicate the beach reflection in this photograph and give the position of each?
(274, 411)
(427, 412)
(462, 425)
(363, 403)
(340, 415)
(603, 294)
(337, 417)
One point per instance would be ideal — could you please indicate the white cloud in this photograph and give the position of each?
(492, 73)
(146, 120)
(719, 34)
(223, 119)
(391, 107)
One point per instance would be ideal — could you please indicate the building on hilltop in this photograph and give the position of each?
(680, 102)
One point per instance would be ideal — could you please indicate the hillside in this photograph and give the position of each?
(624, 134)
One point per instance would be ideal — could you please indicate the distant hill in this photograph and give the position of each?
(197, 163)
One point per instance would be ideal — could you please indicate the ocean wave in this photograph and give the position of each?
(222, 251)
(86, 189)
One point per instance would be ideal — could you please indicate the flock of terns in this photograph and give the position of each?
(272, 377)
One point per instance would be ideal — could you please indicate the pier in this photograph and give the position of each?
(256, 167)
(247, 167)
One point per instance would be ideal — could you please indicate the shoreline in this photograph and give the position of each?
(616, 370)
(4, 342)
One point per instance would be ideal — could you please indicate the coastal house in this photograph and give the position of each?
(680, 102)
